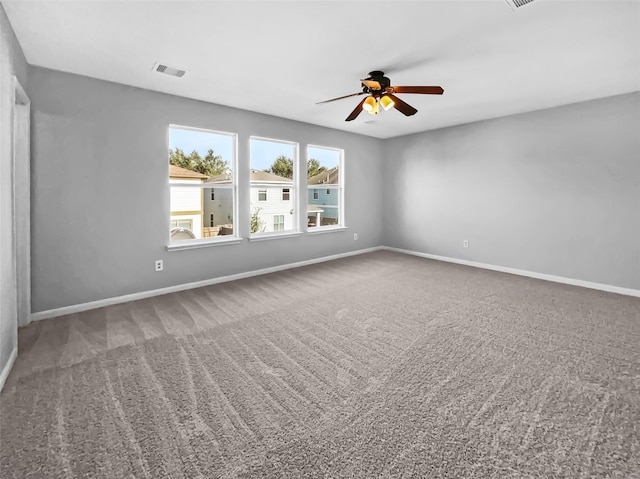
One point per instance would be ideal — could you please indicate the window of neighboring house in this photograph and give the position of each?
(278, 223)
(273, 170)
(325, 167)
(200, 160)
(182, 224)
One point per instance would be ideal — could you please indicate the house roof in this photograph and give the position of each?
(223, 178)
(330, 177)
(178, 172)
(257, 176)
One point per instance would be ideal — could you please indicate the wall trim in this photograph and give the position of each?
(521, 272)
(77, 308)
(7, 367)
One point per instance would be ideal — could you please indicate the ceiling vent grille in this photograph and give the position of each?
(175, 72)
(518, 3)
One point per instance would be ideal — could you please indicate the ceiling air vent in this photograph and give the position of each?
(518, 3)
(175, 72)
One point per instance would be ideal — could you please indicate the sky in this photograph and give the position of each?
(263, 151)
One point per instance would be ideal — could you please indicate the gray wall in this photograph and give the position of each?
(12, 62)
(555, 191)
(100, 205)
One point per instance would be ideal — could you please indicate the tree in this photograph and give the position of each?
(283, 166)
(210, 165)
(314, 168)
(257, 225)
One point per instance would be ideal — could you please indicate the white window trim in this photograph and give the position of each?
(274, 235)
(326, 229)
(204, 243)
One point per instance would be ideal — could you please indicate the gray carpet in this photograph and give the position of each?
(381, 365)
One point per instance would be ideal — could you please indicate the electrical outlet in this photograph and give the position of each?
(159, 265)
(355, 236)
(465, 243)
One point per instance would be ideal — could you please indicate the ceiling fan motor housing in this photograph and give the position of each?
(379, 77)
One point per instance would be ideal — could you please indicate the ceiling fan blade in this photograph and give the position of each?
(425, 90)
(371, 84)
(356, 111)
(341, 97)
(401, 106)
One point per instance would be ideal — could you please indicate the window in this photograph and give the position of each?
(325, 185)
(272, 195)
(182, 224)
(199, 162)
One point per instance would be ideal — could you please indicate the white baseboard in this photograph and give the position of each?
(77, 308)
(520, 272)
(7, 367)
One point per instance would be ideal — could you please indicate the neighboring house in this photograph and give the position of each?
(186, 203)
(271, 198)
(325, 197)
(218, 203)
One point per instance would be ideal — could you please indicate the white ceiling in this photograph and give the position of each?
(281, 57)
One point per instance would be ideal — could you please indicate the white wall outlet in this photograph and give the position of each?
(159, 265)
(355, 236)
(465, 243)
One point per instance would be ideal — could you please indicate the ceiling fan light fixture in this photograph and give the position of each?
(386, 102)
(369, 104)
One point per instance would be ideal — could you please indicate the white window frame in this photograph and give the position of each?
(286, 191)
(216, 240)
(260, 192)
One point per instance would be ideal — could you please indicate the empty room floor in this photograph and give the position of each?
(377, 365)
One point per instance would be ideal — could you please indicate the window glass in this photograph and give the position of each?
(278, 222)
(324, 187)
(202, 187)
(272, 186)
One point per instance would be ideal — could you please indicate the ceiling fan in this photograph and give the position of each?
(380, 91)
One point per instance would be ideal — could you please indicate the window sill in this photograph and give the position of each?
(271, 236)
(203, 243)
(325, 229)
